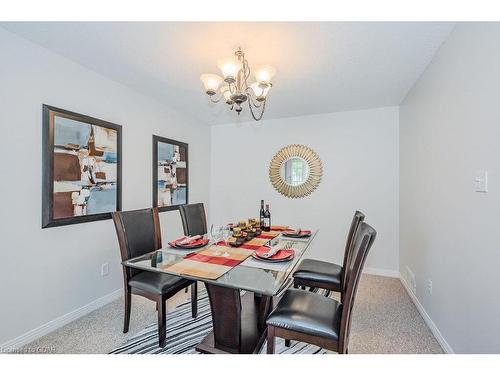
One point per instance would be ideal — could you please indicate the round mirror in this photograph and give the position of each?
(294, 171)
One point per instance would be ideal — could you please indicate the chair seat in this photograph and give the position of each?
(307, 313)
(320, 274)
(157, 283)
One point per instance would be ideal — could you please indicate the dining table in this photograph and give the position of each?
(242, 289)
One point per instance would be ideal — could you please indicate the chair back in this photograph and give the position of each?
(356, 220)
(193, 218)
(138, 233)
(365, 236)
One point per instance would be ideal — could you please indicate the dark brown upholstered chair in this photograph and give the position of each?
(330, 276)
(193, 218)
(309, 317)
(139, 233)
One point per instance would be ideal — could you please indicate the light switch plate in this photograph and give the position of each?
(481, 182)
(104, 269)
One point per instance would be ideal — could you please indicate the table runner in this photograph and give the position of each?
(261, 239)
(207, 265)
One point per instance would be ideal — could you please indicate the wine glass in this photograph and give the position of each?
(216, 234)
(226, 235)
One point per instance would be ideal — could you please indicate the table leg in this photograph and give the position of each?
(265, 307)
(238, 321)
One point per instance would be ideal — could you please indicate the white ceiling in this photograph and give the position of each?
(321, 66)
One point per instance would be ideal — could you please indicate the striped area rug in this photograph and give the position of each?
(184, 333)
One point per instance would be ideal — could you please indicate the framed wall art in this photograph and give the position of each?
(81, 168)
(170, 173)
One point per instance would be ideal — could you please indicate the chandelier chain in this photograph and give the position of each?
(261, 112)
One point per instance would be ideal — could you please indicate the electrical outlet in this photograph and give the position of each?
(410, 278)
(104, 269)
(429, 286)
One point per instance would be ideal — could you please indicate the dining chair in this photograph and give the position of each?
(194, 220)
(139, 233)
(314, 273)
(318, 320)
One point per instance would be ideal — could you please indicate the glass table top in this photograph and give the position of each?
(252, 275)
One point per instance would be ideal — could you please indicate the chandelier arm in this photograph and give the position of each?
(251, 95)
(223, 92)
(216, 100)
(251, 98)
(229, 89)
(257, 118)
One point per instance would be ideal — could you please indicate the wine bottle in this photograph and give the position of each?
(267, 219)
(261, 215)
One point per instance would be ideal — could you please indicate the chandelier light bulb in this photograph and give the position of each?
(211, 82)
(260, 90)
(229, 67)
(227, 94)
(264, 74)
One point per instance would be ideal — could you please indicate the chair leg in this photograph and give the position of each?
(128, 305)
(162, 322)
(287, 343)
(194, 299)
(271, 340)
(303, 287)
(295, 285)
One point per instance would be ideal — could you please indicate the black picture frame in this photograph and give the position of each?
(157, 139)
(48, 114)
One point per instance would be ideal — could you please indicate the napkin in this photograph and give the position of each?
(298, 231)
(273, 250)
(187, 240)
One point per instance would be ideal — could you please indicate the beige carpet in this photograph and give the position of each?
(385, 321)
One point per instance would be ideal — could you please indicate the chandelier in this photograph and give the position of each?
(234, 85)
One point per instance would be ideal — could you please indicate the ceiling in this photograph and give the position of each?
(321, 66)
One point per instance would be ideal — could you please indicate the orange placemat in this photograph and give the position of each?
(207, 265)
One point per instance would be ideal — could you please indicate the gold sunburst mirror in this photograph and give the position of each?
(295, 171)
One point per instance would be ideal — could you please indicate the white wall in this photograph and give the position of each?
(359, 152)
(450, 128)
(50, 272)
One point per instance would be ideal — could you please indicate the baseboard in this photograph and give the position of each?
(434, 329)
(48, 327)
(381, 272)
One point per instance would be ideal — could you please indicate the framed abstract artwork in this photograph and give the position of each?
(81, 168)
(170, 173)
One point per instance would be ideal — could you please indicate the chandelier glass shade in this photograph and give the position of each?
(239, 84)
